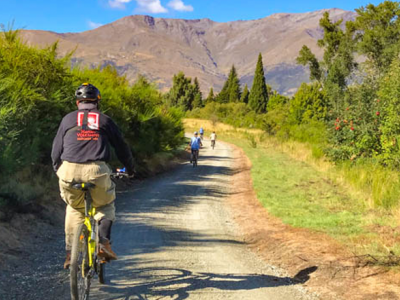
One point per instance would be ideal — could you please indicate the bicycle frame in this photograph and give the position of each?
(90, 223)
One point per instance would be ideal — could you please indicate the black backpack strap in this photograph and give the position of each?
(83, 125)
(85, 120)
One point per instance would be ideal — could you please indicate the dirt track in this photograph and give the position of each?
(176, 240)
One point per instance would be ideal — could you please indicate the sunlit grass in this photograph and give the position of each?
(355, 204)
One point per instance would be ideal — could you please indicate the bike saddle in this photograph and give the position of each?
(84, 186)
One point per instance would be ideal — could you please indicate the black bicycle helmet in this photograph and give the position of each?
(87, 92)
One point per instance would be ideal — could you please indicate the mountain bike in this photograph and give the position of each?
(194, 157)
(85, 263)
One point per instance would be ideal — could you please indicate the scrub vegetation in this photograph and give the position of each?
(37, 89)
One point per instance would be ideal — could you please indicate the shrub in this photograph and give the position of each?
(36, 91)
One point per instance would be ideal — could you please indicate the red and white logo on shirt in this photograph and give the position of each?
(93, 120)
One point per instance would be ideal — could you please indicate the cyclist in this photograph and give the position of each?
(201, 132)
(80, 151)
(213, 138)
(195, 143)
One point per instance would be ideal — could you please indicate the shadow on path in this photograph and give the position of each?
(179, 283)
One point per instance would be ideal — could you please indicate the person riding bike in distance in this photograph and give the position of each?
(195, 143)
(213, 138)
(201, 132)
(80, 151)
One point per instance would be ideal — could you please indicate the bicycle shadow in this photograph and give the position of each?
(178, 284)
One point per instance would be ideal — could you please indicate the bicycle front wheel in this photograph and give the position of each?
(79, 269)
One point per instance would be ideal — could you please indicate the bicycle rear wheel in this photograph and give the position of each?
(196, 157)
(79, 269)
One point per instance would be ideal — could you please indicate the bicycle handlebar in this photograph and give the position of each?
(119, 175)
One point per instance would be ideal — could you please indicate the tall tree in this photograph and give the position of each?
(234, 85)
(338, 61)
(196, 87)
(198, 97)
(181, 94)
(245, 95)
(378, 33)
(258, 98)
(231, 89)
(223, 96)
(210, 97)
(306, 57)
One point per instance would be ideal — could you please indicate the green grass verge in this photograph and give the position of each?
(303, 196)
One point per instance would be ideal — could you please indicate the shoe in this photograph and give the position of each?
(67, 261)
(106, 251)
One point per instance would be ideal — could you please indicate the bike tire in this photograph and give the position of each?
(79, 268)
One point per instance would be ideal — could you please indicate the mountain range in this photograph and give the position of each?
(158, 48)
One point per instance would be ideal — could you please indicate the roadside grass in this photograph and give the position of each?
(306, 191)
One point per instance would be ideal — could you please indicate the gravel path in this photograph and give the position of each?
(176, 240)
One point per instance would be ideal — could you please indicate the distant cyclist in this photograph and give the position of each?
(201, 132)
(195, 143)
(213, 138)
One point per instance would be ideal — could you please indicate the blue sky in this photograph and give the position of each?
(81, 15)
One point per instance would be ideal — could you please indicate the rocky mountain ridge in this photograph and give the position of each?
(159, 48)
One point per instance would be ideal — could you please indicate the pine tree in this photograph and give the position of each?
(231, 89)
(258, 98)
(223, 96)
(234, 86)
(245, 95)
(181, 93)
(196, 89)
(197, 102)
(198, 97)
(210, 97)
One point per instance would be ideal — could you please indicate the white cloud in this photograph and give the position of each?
(93, 25)
(179, 5)
(143, 6)
(120, 4)
(150, 6)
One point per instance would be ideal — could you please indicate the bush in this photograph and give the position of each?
(390, 126)
(36, 91)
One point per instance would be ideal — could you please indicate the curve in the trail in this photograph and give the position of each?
(176, 240)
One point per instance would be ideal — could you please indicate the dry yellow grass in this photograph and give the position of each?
(209, 126)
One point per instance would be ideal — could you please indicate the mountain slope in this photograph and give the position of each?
(159, 48)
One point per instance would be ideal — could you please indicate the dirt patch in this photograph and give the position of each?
(314, 259)
(25, 229)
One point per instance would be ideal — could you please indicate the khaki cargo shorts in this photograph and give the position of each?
(103, 194)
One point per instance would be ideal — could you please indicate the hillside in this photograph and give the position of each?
(158, 48)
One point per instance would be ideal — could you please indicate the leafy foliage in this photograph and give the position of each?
(37, 90)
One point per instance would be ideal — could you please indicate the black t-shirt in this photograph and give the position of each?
(79, 142)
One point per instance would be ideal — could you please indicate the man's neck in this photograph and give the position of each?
(87, 106)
